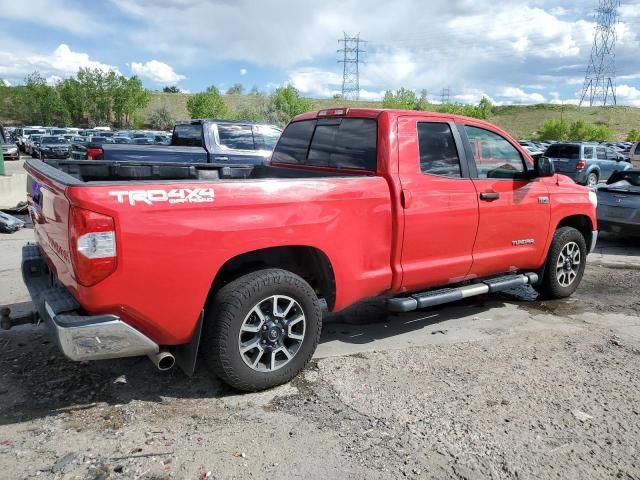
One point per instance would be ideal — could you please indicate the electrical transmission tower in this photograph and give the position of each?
(445, 96)
(599, 80)
(351, 61)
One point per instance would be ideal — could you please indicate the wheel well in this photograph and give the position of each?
(582, 223)
(308, 262)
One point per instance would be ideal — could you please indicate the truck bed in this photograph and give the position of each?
(81, 171)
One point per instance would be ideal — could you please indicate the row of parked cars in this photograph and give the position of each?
(52, 142)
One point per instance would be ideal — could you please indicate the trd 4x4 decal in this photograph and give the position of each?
(173, 196)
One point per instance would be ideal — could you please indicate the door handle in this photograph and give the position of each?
(489, 196)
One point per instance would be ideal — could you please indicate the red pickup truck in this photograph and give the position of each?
(239, 263)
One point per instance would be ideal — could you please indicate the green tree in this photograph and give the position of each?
(485, 108)
(41, 102)
(161, 118)
(286, 103)
(553, 129)
(403, 98)
(633, 135)
(236, 89)
(171, 89)
(209, 104)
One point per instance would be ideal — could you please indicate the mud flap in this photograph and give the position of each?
(187, 354)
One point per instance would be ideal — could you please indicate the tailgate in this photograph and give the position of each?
(50, 214)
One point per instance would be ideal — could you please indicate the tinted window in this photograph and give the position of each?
(637, 150)
(265, 137)
(494, 156)
(344, 143)
(571, 152)
(588, 153)
(294, 143)
(601, 153)
(53, 140)
(189, 135)
(438, 153)
(237, 137)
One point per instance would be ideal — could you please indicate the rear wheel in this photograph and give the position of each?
(565, 264)
(261, 329)
(592, 179)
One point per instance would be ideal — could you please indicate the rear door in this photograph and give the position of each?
(607, 165)
(440, 204)
(514, 211)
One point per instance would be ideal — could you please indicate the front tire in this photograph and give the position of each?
(565, 265)
(262, 329)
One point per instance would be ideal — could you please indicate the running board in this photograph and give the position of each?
(447, 295)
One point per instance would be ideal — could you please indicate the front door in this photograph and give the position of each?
(440, 204)
(514, 210)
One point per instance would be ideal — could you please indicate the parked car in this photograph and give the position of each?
(121, 139)
(10, 151)
(25, 133)
(52, 147)
(143, 141)
(423, 208)
(201, 141)
(31, 143)
(634, 155)
(619, 203)
(585, 163)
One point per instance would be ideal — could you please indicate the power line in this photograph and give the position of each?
(445, 96)
(351, 61)
(599, 80)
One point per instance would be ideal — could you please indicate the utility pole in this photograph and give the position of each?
(445, 95)
(599, 80)
(351, 60)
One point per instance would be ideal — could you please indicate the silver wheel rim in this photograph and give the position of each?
(568, 264)
(272, 333)
(592, 180)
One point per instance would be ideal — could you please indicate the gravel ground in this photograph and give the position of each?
(547, 403)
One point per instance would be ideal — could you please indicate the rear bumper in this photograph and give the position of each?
(80, 337)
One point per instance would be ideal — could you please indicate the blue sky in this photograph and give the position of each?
(512, 52)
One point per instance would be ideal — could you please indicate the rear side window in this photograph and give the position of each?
(438, 152)
(236, 137)
(332, 142)
(588, 153)
(601, 153)
(572, 152)
(188, 135)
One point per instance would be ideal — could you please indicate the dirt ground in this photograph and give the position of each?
(557, 401)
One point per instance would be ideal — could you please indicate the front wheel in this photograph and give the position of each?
(261, 329)
(565, 265)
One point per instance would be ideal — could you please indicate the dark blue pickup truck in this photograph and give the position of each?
(196, 141)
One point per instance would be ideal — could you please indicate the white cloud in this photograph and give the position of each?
(157, 72)
(62, 62)
(517, 95)
(316, 82)
(243, 71)
(56, 14)
(628, 95)
(6, 83)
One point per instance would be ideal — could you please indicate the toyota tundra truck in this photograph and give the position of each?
(240, 264)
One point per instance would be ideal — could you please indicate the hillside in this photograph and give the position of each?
(522, 121)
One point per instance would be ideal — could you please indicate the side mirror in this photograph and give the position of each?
(543, 167)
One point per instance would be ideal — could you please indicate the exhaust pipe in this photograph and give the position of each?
(163, 360)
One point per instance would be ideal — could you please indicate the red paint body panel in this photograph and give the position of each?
(169, 254)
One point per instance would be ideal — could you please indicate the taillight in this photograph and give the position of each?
(94, 153)
(92, 241)
(581, 164)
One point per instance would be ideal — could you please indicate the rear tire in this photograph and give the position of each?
(592, 179)
(262, 329)
(565, 264)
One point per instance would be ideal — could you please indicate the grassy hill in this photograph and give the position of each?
(522, 121)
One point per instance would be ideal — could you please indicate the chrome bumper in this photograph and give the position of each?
(80, 337)
(594, 240)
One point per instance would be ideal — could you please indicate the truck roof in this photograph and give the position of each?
(375, 112)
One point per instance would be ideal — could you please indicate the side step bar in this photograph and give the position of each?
(447, 295)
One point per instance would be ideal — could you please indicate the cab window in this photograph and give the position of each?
(438, 152)
(494, 156)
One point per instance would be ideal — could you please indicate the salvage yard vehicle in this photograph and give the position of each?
(619, 204)
(239, 263)
(196, 141)
(586, 163)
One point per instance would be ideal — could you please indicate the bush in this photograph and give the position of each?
(209, 104)
(285, 104)
(560, 129)
(405, 99)
(161, 119)
(633, 135)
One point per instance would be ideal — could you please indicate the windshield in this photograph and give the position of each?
(35, 138)
(53, 140)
